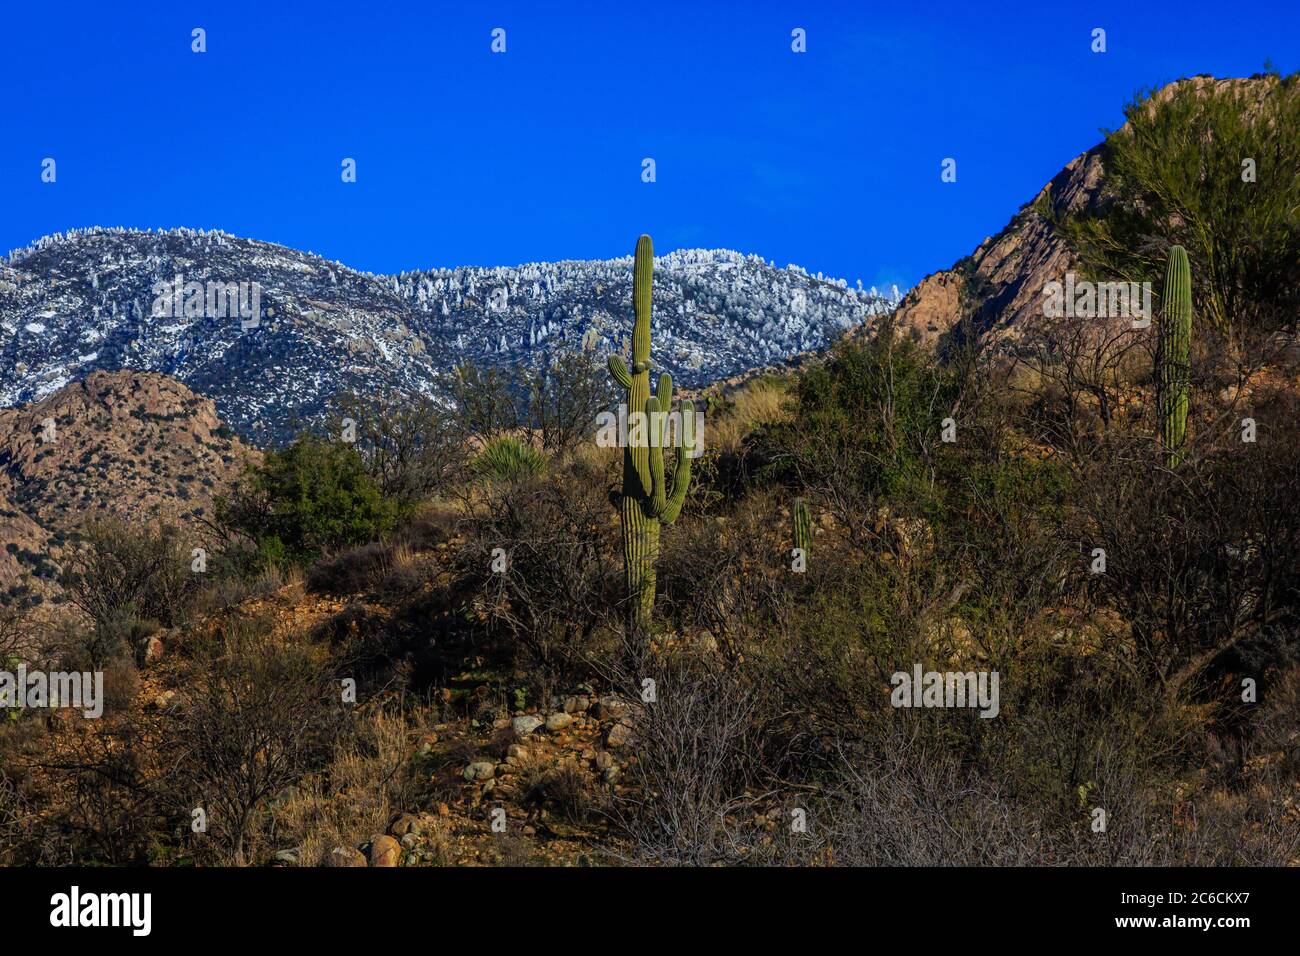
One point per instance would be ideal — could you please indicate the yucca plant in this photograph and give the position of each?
(509, 459)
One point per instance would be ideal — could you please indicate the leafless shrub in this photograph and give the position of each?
(123, 573)
(257, 715)
(107, 800)
(689, 794)
(411, 444)
(539, 558)
(909, 804)
(1195, 556)
(565, 394)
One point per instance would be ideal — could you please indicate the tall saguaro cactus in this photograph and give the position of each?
(1174, 354)
(646, 501)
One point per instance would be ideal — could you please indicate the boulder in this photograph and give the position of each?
(620, 735)
(558, 721)
(384, 851)
(153, 649)
(527, 724)
(405, 823)
(345, 856)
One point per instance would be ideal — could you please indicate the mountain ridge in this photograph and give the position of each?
(90, 299)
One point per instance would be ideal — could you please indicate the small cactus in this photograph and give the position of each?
(1173, 359)
(647, 501)
(802, 529)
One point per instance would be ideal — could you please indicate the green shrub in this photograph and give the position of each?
(1174, 176)
(309, 497)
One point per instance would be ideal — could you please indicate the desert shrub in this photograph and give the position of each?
(410, 444)
(102, 803)
(565, 393)
(913, 804)
(508, 459)
(122, 574)
(487, 406)
(557, 400)
(349, 572)
(17, 632)
(1198, 556)
(565, 792)
(688, 797)
(559, 581)
(309, 497)
(258, 714)
(731, 574)
(866, 427)
(15, 811)
(1174, 175)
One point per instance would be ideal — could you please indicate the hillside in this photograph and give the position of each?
(137, 445)
(998, 287)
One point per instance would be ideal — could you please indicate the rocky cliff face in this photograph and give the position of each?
(998, 287)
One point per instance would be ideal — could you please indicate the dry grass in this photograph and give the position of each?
(369, 780)
(760, 402)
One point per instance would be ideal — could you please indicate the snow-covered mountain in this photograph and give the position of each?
(109, 299)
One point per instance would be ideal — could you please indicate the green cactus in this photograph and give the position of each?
(646, 502)
(1174, 363)
(802, 529)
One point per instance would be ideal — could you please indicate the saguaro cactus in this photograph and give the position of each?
(646, 501)
(802, 528)
(1174, 354)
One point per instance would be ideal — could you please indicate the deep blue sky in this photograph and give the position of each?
(829, 159)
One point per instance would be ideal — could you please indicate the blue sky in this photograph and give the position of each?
(829, 159)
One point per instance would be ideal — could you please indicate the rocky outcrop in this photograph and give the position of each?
(997, 289)
(995, 293)
(136, 445)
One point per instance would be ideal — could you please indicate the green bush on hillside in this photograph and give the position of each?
(1177, 174)
(307, 498)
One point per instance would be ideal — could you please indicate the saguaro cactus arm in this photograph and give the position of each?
(658, 496)
(664, 395)
(681, 474)
(618, 369)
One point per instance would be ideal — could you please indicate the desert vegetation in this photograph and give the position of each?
(466, 632)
